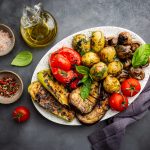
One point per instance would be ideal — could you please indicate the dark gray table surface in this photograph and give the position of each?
(72, 15)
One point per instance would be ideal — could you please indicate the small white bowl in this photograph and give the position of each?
(11, 34)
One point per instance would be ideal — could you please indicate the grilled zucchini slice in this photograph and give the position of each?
(47, 101)
(56, 89)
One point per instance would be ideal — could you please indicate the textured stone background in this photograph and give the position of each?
(71, 15)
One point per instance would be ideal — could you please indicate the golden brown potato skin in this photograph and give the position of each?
(115, 68)
(97, 41)
(108, 54)
(90, 58)
(98, 71)
(111, 84)
(81, 44)
(96, 114)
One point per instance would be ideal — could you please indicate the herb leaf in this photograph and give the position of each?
(85, 77)
(85, 89)
(82, 69)
(141, 55)
(24, 58)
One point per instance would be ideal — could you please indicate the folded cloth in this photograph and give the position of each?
(109, 138)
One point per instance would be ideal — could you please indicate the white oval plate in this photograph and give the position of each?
(43, 64)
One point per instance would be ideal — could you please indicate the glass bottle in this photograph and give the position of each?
(38, 27)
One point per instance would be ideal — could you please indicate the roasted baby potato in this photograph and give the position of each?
(96, 114)
(90, 58)
(111, 84)
(44, 99)
(98, 71)
(81, 44)
(115, 68)
(55, 88)
(108, 54)
(97, 41)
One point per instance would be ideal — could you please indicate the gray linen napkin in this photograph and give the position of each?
(109, 138)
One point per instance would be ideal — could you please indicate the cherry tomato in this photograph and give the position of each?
(118, 102)
(59, 61)
(72, 55)
(21, 114)
(130, 87)
(64, 76)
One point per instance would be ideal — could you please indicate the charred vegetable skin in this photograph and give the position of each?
(84, 106)
(55, 88)
(62, 64)
(48, 102)
(96, 114)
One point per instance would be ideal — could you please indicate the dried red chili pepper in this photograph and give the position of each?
(8, 87)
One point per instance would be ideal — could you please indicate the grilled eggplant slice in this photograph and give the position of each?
(96, 114)
(84, 106)
(56, 89)
(95, 89)
(40, 95)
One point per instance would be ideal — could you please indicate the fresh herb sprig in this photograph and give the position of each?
(86, 81)
(24, 58)
(141, 55)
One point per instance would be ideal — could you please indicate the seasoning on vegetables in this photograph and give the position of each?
(8, 86)
(5, 41)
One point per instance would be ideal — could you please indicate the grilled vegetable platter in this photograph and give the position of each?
(90, 76)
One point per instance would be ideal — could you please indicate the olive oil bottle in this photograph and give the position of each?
(38, 27)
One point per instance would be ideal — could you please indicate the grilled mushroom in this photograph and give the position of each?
(127, 64)
(123, 76)
(124, 38)
(124, 52)
(137, 73)
(111, 41)
(135, 45)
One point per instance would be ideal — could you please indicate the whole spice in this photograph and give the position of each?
(5, 41)
(8, 87)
